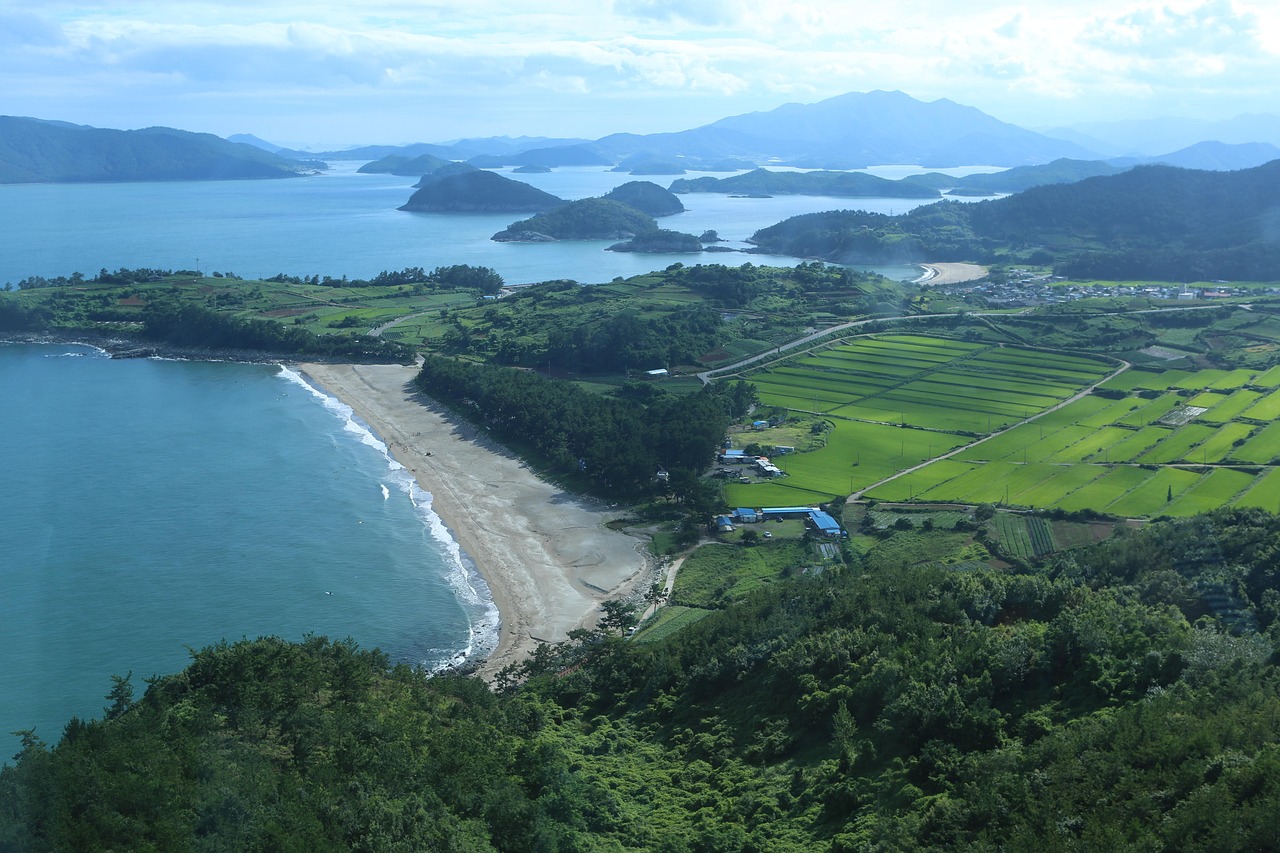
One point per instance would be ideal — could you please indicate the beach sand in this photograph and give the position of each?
(951, 273)
(546, 554)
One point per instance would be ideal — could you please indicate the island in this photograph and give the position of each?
(585, 219)
(478, 191)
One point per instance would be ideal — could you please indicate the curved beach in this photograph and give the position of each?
(546, 554)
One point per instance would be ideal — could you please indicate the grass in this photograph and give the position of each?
(1265, 492)
(1262, 447)
(1215, 489)
(669, 620)
(715, 574)
(1152, 496)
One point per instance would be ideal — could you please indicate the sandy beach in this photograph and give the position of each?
(546, 554)
(951, 273)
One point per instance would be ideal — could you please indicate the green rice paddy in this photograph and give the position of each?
(897, 401)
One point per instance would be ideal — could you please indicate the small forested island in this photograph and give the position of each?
(659, 242)
(478, 191)
(399, 164)
(35, 151)
(647, 197)
(839, 184)
(584, 219)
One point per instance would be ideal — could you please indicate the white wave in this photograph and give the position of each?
(386, 494)
(470, 588)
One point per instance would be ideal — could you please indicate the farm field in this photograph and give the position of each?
(896, 401)
(1176, 443)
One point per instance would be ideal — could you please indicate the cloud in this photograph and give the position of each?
(673, 58)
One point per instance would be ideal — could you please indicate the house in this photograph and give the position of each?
(745, 515)
(724, 524)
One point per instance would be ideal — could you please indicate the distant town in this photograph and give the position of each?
(1028, 289)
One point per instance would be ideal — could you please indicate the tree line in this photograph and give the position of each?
(610, 446)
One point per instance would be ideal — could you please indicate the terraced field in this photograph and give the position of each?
(1174, 442)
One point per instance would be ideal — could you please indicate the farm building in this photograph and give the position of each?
(826, 525)
(767, 468)
(724, 524)
(736, 457)
(745, 515)
(786, 512)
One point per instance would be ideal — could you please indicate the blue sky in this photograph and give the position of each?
(322, 74)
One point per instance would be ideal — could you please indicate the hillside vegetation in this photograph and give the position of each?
(1088, 703)
(1151, 222)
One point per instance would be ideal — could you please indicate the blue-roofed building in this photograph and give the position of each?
(786, 512)
(826, 525)
(745, 515)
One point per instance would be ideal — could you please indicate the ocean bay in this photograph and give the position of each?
(344, 223)
(151, 506)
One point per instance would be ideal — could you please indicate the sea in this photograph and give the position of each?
(151, 507)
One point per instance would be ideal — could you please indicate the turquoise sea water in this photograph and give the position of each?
(149, 506)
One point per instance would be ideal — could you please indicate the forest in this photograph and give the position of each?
(610, 446)
(1091, 701)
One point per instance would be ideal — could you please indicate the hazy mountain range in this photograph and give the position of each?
(849, 131)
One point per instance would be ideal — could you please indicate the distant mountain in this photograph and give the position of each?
(856, 130)
(1017, 179)
(35, 151)
(376, 152)
(1150, 137)
(509, 145)
(1212, 156)
(250, 139)
(478, 191)
(1150, 222)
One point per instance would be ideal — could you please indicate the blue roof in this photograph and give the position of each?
(824, 521)
(787, 510)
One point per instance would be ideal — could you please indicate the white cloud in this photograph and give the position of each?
(653, 61)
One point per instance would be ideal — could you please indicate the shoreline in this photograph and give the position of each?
(545, 554)
(950, 273)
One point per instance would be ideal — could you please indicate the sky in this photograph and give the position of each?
(323, 75)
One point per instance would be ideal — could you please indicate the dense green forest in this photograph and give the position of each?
(1151, 222)
(1095, 701)
(610, 446)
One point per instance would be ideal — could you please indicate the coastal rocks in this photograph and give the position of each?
(523, 236)
(660, 242)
